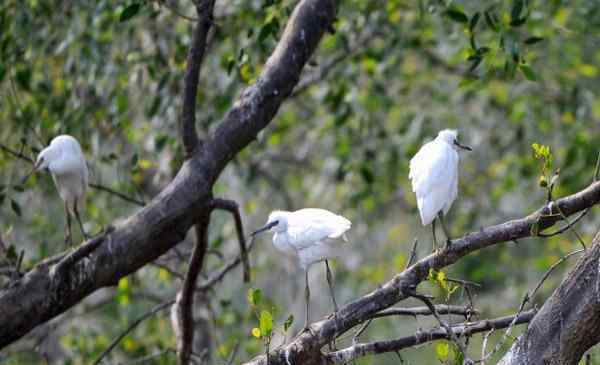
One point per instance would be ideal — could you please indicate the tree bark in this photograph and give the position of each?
(568, 323)
(45, 292)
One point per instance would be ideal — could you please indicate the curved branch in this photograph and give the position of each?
(305, 348)
(458, 330)
(189, 136)
(43, 293)
(185, 300)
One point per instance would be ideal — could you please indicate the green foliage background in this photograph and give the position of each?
(111, 74)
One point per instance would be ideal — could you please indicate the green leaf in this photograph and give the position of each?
(288, 323)
(15, 207)
(266, 323)
(517, 8)
(254, 296)
(457, 15)
(442, 350)
(528, 72)
(130, 11)
(533, 40)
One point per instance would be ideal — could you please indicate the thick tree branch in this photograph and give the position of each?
(306, 347)
(568, 323)
(189, 136)
(440, 333)
(43, 293)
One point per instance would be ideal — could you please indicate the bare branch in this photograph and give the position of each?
(130, 199)
(131, 327)
(232, 207)
(440, 333)
(189, 136)
(424, 311)
(403, 284)
(185, 300)
(220, 274)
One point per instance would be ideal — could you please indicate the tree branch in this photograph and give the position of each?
(189, 136)
(232, 207)
(440, 333)
(143, 237)
(305, 348)
(425, 311)
(567, 324)
(131, 327)
(185, 301)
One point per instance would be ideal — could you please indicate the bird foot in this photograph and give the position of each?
(68, 241)
(448, 243)
(308, 329)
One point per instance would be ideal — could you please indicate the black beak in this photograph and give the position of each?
(34, 169)
(265, 228)
(462, 146)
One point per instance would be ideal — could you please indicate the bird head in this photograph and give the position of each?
(277, 222)
(46, 156)
(450, 136)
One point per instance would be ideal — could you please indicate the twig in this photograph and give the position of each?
(528, 296)
(131, 327)
(232, 207)
(424, 311)
(220, 274)
(565, 228)
(141, 203)
(176, 11)
(484, 345)
(413, 253)
(462, 329)
(147, 358)
(233, 354)
(445, 325)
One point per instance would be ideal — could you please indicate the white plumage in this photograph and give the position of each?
(312, 234)
(65, 161)
(434, 175)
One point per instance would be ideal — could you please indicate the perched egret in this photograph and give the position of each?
(434, 176)
(65, 161)
(311, 234)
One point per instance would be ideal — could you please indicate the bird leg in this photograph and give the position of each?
(68, 240)
(306, 298)
(434, 245)
(332, 346)
(330, 283)
(448, 241)
(85, 235)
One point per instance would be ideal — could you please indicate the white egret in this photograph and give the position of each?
(434, 177)
(311, 234)
(65, 161)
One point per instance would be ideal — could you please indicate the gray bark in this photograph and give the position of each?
(568, 323)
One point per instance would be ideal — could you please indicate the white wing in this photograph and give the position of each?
(433, 173)
(310, 226)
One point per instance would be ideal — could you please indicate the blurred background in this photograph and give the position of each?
(393, 74)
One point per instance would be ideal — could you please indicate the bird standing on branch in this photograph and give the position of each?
(434, 177)
(65, 161)
(311, 234)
